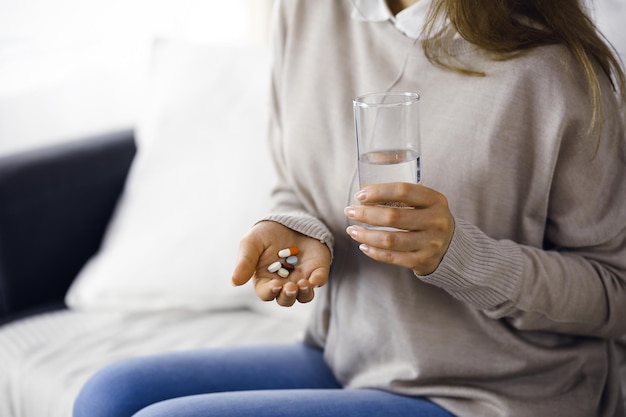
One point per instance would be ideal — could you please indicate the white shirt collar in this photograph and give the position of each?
(409, 21)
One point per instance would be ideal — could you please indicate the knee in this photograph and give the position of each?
(114, 391)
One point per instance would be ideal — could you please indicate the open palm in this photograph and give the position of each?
(259, 248)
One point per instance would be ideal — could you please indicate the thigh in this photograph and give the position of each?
(128, 386)
(296, 403)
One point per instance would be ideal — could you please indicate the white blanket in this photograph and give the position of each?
(46, 359)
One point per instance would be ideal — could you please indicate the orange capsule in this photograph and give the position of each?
(285, 253)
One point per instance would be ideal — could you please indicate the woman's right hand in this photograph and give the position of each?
(259, 248)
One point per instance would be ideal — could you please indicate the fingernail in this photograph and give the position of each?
(291, 293)
(352, 231)
(349, 211)
(276, 290)
(364, 248)
(304, 290)
(361, 195)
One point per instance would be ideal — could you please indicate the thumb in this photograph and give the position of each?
(247, 261)
(319, 277)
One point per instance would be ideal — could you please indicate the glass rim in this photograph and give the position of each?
(400, 99)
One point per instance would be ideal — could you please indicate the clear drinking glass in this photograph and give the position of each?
(387, 131)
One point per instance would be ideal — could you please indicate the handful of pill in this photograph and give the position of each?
(284, 268)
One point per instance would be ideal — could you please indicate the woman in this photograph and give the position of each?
(501, 295)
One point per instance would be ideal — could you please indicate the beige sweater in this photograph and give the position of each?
(516, 319)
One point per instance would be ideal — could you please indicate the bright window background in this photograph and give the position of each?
(610, 16)
(69, 68)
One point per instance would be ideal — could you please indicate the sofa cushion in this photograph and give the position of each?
(200, 180)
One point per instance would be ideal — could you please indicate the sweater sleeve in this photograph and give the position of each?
(575, 291)
(575, 283)
(288, 207)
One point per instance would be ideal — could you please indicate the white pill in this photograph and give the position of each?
(283, 272)
(274, 267)
(292, 260)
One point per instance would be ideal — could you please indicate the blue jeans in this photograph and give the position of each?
(274, 381)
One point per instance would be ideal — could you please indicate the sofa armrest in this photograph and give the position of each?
(55, 204)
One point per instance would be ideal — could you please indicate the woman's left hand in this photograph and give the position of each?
(425, 221)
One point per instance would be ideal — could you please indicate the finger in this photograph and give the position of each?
(305, 291)
(247, 261)
(402, 241)
(405, 218)
(422, 262)
(413, 195)
(319, 277)
(439, 220)
(288, 295)
(268, 289)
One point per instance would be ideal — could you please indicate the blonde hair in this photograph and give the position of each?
(507, 28)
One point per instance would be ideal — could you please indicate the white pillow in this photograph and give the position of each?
(200, 180)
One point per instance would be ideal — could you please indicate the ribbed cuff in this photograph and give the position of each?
(479, 270)
(306, 224)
